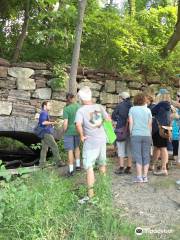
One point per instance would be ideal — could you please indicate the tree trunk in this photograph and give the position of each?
(175, 38)
(77, 44)
(22, 36)
(111, 2)
(132, 7)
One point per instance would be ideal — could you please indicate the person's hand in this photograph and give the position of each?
(83, 138)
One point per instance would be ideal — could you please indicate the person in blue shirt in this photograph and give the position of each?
(48, 140)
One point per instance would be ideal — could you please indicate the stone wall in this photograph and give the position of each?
(24, 86)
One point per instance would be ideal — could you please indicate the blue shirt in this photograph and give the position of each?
(141, 116)
(44, 116)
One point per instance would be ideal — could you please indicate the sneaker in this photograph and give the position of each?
(78, 168)
(83, 200)
(60, 164)
(70, 174)
(161, 173)
(145, 179)
(128, 170)
(138, 180)
(119, 171)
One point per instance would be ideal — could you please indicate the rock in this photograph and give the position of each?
(7, 123)
(43, 72)
(5, 108)
(3, 72)
(15, 95)
(108, 98)
(153, 79)
(40, 83)
(95, 93)
(42, 93)
(20, 109)
(56, 108)
(4, 94)
(134, 92)
(21, 73)
(92, 85)
(33, 65)
(6, 83)
(134, 85)
(4, 62)
(26, 84)
(154, 88)
(121, 86)
(110, 86)
(61, 95)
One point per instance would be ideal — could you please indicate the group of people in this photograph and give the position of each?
(135, 124)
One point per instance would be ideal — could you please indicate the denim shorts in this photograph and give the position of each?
(97, 155)
(71, 142)
(140, 149)
(123, 148)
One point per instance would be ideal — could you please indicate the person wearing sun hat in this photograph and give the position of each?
(161, 113)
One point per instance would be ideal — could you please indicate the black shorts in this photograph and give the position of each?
(158, 141)
(175, 144)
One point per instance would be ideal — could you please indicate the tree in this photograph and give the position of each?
(175, 38)
(77, 44)
(132, 7)
(23, 33)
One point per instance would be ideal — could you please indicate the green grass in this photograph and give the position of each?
(45, 207)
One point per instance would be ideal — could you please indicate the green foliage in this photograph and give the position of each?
(4, 173)
(61, 77)
(11, 144)
(110, 40)
(46, 207)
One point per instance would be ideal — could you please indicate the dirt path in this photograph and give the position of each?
(154, 205)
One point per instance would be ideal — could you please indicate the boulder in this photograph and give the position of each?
(23, 110)
(108, 98)
(121, 86)
(7, 123)
(61, 95)
(7, 83)
(92, 85)
(95, 93)
(15, 95)
(134, 92)
(33, 65)
(26, 84)
(21, 73)
(4, 62)
(3, 72)
(43, 72)
(5, 108)
(135, 85)
(42, 93)
(40, 83)
(110, 86)
(56, 108)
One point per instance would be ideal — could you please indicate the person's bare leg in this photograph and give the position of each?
(129, 162)
(71, 160)
(139, 170)
(102, 169)
(164, 157)
(121, 162)
(77, 157)
(146, 168)
(155, 157)
(90, 182)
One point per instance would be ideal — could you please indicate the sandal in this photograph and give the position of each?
(161, 173)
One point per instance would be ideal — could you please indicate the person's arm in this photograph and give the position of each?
(130, 124)
(80, 131)
(65, 125)
(106, 116)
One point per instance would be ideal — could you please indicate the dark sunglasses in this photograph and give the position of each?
(178, 95)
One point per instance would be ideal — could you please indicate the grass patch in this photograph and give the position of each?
(45, 207)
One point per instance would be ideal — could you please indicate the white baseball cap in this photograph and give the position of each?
(124, 95)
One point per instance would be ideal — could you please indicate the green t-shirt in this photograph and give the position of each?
(69, 112)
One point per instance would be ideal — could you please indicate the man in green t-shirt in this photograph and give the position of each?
(71, 136)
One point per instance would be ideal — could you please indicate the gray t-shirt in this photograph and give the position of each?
(91, 117)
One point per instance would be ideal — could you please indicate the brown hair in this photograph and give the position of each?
(69, 98)
(44, 104)
(140, 99)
